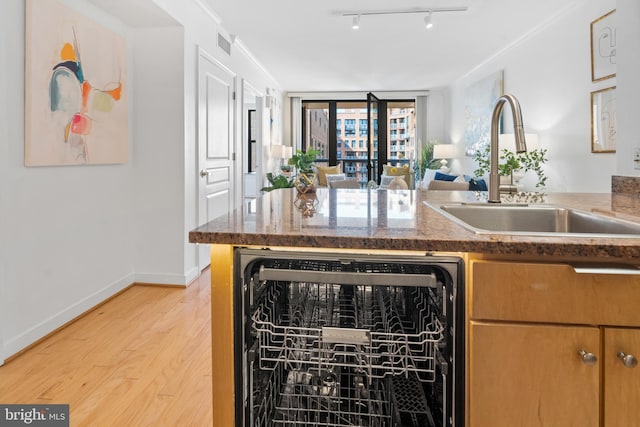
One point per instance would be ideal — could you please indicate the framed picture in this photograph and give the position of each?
(479, 101)
(603, 47)
(603, 120)
(76, 109)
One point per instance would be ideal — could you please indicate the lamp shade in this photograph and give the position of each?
(443, 151)
(278, 151)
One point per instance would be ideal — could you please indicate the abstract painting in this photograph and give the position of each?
(479, 100)
(75, 95)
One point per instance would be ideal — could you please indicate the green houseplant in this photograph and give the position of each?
(277, 181)
(305, 175)
(303, 161)
(531, 160)
(426, 160)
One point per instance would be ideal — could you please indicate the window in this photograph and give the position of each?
(363, 127)
(348, 144)
(349, 127)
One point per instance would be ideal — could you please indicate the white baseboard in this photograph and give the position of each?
(15, 344)
(167, 279)
(192, 275)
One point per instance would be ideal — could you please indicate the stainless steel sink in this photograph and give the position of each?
(546, 220)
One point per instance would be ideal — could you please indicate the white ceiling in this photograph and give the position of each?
(309, 46)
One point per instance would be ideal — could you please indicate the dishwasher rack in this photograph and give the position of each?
(341, 342)
(339, 326)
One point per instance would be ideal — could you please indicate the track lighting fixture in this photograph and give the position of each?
(427, 20)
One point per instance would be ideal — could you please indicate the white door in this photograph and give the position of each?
(216, 118)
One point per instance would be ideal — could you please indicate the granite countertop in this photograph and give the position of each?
(401, 220)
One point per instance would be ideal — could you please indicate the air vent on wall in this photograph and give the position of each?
(224, 44)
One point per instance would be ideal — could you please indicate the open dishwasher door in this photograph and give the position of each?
(337, 339)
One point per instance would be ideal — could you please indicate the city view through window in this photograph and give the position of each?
(393, 140)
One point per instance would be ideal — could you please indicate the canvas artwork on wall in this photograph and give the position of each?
(479, 100)
(75, 94)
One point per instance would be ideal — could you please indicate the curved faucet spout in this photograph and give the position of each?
(521, 146)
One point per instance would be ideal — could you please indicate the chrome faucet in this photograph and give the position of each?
(521, 147)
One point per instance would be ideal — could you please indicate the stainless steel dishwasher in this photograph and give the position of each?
(339, 339)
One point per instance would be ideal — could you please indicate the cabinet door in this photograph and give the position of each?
(532, 375)
(621, 382)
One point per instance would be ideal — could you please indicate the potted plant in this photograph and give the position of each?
(277, 181)
(510, 162)
(303, 161)
(305, 174)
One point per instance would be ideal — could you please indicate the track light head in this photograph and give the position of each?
(356, 22)
(427, 21)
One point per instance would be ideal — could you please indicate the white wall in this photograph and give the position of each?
(4, 185)
(628, 89)
(73, 236)
(67, 230)
(158, 156)
(201, 30)
(550, 73)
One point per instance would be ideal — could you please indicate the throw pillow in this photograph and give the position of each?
(323, 171)
(385, 180)
(429, 175)
(477, 184)
(444, 177)
(390, 170)
(335, 177)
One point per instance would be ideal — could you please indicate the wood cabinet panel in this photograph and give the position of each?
(621, 384)
(532, 376)
(552, 293)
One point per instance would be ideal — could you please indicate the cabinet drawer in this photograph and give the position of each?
(553, 293)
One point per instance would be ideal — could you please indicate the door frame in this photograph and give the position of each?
(203, 257)
(247, 87)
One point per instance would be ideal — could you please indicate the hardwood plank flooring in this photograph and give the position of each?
(141, 359)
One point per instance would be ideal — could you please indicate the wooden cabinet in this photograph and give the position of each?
(531, 375)
(621, 381)
(529, 323)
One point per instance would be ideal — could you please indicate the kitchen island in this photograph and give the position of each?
(402, 221)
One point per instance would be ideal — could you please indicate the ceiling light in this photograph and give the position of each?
(356, 22)
(427, 21)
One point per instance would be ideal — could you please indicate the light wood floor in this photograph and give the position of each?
(141, 359)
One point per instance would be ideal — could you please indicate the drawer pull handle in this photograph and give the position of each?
(588, 359)
(628, 360)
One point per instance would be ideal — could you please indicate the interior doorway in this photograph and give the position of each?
(252, 140)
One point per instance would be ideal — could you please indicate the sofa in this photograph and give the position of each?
(439, 181)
